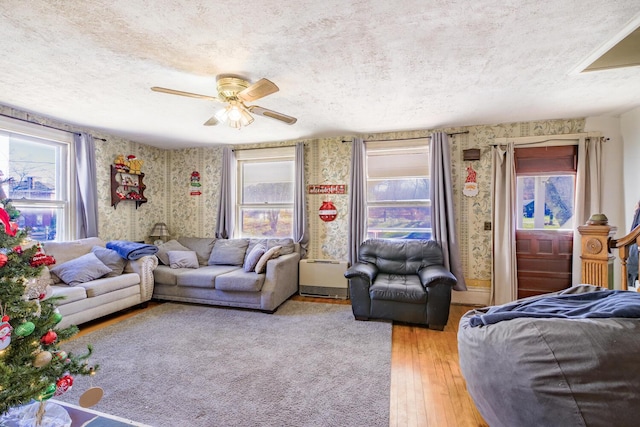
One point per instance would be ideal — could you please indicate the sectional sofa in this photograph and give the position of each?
(95, 281)
(248, 273)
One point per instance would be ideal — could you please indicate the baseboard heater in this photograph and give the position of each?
(323, 278)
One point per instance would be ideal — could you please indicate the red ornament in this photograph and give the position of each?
(49, 338)
(3, 259)
(17, 249)
(328, 211)
(63, 384)
(41, 259)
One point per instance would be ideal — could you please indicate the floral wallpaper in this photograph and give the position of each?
(191, 215)
(167, 178)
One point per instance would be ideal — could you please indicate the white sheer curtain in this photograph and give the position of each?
(86, 189)
(588, 199)
(357, 210)
(443, 218)
(224, 221)
(504, 282)
(300, 231)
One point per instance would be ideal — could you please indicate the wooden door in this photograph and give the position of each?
(544, 235)
(544, 259)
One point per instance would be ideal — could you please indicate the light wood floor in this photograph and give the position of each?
(427, 388)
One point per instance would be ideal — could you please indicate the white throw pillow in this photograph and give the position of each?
(274, 252)
(183, 259)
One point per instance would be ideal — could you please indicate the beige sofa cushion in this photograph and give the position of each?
(110, 284)
(70, 293)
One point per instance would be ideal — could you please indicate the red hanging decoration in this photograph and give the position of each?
(3, 259)
(328, 211)
(41, 259)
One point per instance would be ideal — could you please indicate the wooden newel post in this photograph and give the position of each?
(597, 260)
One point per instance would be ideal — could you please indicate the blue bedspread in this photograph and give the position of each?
(131, 250)
(606, 303)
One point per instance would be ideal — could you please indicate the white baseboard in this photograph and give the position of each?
(472, 296)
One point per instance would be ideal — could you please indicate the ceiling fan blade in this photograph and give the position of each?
(272, 114)
(259, 89)
(181, 93)
(211, 122)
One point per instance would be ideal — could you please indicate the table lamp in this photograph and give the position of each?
(160, 231)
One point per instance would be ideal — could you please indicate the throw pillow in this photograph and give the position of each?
(163, 249)
(274, 252)
(201, 245)
(81, 270)
(111, 259)
(183, 259)
(228, 252)
(253, 257)
(287, 245)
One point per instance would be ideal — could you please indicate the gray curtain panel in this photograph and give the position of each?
(86, 188)
(224, 221)
(504, 268)
(443, 218)
(300, 231)
(357, 209)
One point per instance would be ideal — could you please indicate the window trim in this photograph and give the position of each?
(382, 148)
(259, 155)
(67, 166)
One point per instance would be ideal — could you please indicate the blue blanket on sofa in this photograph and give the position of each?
(602, 304)
(131, 250)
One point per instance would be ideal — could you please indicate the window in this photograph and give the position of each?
(265, 192)
(546, 187)
(34, 164)
(398, 204)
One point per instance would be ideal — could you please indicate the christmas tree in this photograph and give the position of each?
(32, 365)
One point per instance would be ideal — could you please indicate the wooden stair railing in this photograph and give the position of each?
(597, 261)
(623, 244)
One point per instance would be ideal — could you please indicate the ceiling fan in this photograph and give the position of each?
(235, 91)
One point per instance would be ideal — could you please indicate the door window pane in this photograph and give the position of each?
(546, 202)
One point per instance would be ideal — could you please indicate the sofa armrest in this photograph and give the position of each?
(435, 274)
(144, 267)
(361, 269)
(281, 280)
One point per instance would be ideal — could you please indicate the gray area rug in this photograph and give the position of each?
(309, 364)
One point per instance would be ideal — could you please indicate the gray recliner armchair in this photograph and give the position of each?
(401, 280)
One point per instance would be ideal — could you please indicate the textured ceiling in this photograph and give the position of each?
(343, 67)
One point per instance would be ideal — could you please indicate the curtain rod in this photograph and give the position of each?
(408, 139)
(532, 140)
(265, 148)
(47, 126)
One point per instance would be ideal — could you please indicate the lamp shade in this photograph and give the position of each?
(159, 230)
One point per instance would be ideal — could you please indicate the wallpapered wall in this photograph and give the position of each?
(167, 174)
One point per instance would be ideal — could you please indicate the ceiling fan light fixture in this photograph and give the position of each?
(235, 113)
